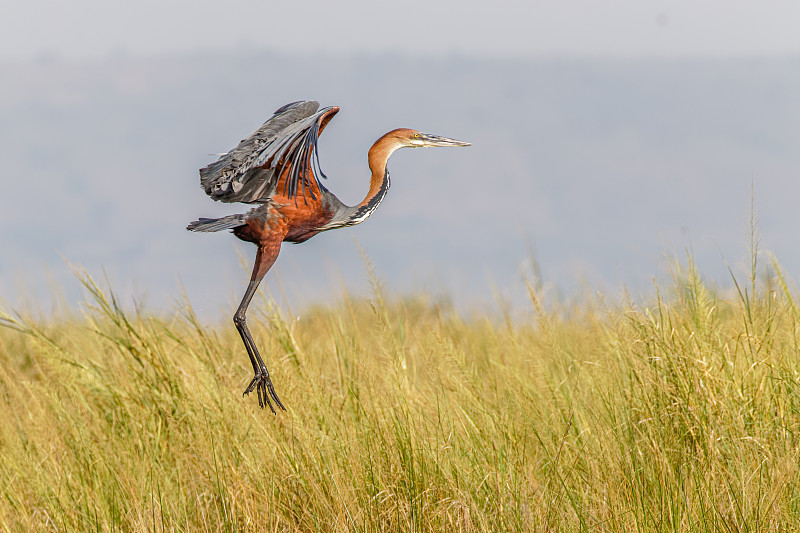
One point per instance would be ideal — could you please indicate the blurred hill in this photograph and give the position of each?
(599, 166)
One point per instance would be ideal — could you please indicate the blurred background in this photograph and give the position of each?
(606, 137)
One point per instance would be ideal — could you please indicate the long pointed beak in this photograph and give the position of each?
(436, 140)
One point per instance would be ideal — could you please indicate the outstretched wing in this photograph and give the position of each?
(286, 143)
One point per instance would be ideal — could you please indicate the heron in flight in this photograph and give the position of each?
(277, 168)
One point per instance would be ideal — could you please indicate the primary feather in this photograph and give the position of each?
(286, 142)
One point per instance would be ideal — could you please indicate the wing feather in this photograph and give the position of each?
(250, 172)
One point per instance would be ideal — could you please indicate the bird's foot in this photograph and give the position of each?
(263, 385)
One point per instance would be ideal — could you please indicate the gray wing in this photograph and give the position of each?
(250, 172)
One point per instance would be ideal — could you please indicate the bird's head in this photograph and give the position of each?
(404, 138)
(407, 138)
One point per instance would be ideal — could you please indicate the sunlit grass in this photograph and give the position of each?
(681, 414)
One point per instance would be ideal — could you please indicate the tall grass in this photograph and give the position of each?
(679, 415)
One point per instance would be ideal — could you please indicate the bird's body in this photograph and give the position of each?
(278, 169)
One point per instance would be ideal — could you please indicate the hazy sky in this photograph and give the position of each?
(606, 163)
(97, 28)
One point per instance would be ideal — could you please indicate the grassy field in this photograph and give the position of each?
(680, 414)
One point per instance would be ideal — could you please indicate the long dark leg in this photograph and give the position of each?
(261, 381)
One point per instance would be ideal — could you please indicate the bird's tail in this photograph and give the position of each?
(217, 224)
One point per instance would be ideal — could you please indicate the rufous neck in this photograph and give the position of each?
(378, 156)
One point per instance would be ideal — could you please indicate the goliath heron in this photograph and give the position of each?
(277, 167)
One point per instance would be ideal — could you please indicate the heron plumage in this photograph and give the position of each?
(278, 168)
(249, 173)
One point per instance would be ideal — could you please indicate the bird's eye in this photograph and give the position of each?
(416, 135)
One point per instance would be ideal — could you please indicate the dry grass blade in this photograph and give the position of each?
(681, 415)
